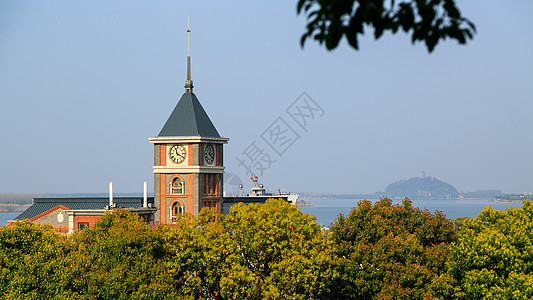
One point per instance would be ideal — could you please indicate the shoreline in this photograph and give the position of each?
(505, 201)
(10, 211)
(8, 208)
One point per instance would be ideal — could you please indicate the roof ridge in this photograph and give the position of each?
(193, 104)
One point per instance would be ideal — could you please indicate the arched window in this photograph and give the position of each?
(177, 186)
(177, 209)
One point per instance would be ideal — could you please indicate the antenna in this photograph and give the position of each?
(188, 34)
(188, 82)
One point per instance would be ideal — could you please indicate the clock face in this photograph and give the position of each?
(177, 154)
(209, 154)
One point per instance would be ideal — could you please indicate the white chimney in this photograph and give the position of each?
(145, 195)
(110, 194)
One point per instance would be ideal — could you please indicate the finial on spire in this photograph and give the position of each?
(188, 82)
(188, 33)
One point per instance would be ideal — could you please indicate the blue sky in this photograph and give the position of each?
(84, 84)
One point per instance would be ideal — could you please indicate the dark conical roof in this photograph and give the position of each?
(189, 119)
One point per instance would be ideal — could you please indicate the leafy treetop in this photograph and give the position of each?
(427, 21)
(390, 251)
(493, 258)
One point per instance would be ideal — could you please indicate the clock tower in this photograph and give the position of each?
(188, 160)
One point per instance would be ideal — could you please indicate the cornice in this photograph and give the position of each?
(188, 169)
(187, 139)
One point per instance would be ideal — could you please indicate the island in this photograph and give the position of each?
(421, 187)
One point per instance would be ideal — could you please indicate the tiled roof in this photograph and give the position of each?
(189, 119)
(41, 205)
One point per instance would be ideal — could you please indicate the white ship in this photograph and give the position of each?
(260, 195)
(258, 190)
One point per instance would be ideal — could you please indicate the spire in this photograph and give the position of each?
(188, 82)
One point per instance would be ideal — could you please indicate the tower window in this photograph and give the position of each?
(176, 210)
(177, 186)
(213, 204)
(210, 184)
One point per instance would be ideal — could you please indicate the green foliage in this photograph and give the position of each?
(32, 262)
(459, 222)
(281, 253)
(201, 255)
(493, 258)
(390, 251)
(377, 251)
(426, 20)
(120, 258)
(258, 251)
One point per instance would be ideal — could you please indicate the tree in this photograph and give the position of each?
(426, 20)
(33, 262)
(281, 253)
(121, 257)
(493, 258)
(202, 255)
(258, 251)
(390, 251)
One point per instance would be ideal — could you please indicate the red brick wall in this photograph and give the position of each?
(60, 228)
(85, 219)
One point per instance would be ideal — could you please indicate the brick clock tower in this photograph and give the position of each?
(188, 160)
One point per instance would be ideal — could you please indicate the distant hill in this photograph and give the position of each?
(421, 187)
(21, 198)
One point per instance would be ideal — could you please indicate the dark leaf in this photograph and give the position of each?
(461, 38)
(352, 40)
(300, 5)
(430, 20)
(334, 35)
(451, 9)
(378, 32)
(303, 38)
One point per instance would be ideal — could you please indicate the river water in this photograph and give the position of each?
(7, 216)
(327, 210)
